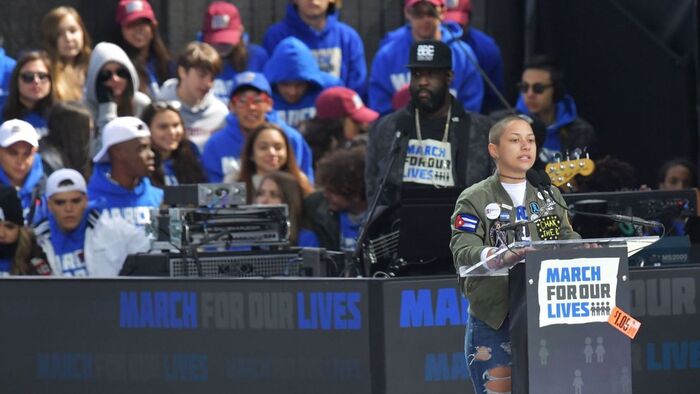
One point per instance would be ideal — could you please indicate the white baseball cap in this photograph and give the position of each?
(16, 130)
(120, 130)
(65, 180)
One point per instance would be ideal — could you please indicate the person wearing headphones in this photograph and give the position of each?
(542, 97)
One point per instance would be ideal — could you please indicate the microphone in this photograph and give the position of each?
(543, 183)
(513, 226)
(540, 181)
(402, 128)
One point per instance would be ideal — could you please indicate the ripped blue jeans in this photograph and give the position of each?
(488, 356)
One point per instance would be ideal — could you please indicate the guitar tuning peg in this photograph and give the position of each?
(577, 153)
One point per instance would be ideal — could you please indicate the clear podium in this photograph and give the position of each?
(561, 296)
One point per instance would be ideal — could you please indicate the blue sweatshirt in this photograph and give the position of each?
(34, 119)
(68, 247)
(34, 180)
(223, 150)
(389, 73)
(566, 113)
(338, 48)
(489, 55)
(7, 64)
(132, 205)
(292, 61)
(223, 83)
(153, 81)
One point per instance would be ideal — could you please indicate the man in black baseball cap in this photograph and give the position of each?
(430, 63)
(441, 144)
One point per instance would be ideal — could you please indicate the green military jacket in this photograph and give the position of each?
(471, 229)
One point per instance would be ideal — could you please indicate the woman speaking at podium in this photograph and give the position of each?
(480, 213)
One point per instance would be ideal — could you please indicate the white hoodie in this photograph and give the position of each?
(200, 121)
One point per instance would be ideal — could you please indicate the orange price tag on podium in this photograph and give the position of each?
(624, 322)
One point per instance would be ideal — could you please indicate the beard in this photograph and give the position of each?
(432, 103)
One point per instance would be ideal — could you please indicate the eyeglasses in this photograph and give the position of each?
(29, 77)
(249, 100)
(106, 75)
(537, 88)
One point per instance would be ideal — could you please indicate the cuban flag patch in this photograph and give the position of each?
(466, 222)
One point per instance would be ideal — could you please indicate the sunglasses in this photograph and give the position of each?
(106, 75)
(251, 99)
(29, 77)
(167, 104)
(537, 88)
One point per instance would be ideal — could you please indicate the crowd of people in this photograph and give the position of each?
(92, 133)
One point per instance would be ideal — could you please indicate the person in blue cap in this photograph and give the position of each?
(389, 73)
(251, 106)
(337, 47)
(119, 185)
(296, 81)
(76, 239)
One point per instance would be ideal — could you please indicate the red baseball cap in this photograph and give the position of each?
(436, 3)
(131, 10)
(458, 11)
(339, 102)
(222, 24)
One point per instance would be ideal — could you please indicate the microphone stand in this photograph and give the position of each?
(393, 150)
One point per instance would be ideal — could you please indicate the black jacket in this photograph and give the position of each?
(468, 137)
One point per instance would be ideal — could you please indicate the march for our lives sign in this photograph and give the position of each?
(577, 291)
(428, 162)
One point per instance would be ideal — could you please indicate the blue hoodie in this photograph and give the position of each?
(34, 119)
(153, 81)
(338, 48)
(132, 205)
(389, 73)
(292, 61)
(7, 64)
(489, 55)
(34, 180)
(223, 150)
(566, 113)
(223, 83)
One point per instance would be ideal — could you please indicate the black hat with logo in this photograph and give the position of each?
(430, 54)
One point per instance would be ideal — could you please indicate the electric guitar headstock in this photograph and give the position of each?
(562, 172)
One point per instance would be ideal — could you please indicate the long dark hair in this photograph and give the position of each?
(14, 109)
(186, 163)
(69, 126)
(322, 135)
(249, 168)
(239, 57)
(156, 50)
